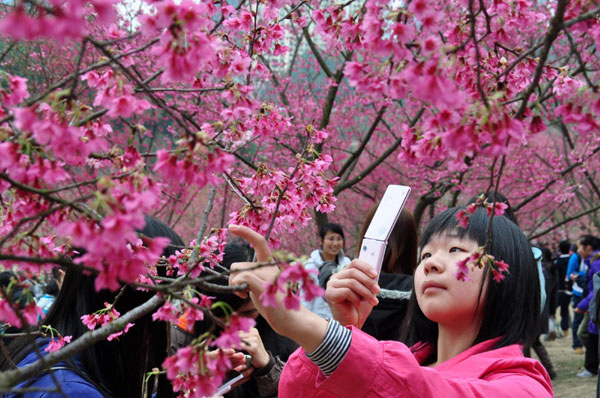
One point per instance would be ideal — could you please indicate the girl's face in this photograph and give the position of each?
(441, 296)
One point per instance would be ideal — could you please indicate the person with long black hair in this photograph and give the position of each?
(108, 368)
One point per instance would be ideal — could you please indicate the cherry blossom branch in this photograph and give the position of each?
(275, 81)
(316, 53)
(580, 60)
(62, 261)
(540, 42)
(46, 195)
(77, 67)
(563, 222)
(330, 99)
(42, 215)
(488, 244)
(222, 19)
(184, 90)
(293, 10)
(282, 192)
(542, 220)
(158, 102)
(348, 183)
(556, 24)
(95, 66)
(238, 191)
(13, 335)
(92, 116)
(472, 21)
(10, 378)
(363, 143)
(8, 49)
(590, 14)
(203, 224)
(553, 181)
(563, 128)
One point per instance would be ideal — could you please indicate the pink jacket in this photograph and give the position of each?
(389, 369)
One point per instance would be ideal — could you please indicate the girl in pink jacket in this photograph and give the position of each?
(463, 332)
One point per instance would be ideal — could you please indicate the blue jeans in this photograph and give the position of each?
(577, 318)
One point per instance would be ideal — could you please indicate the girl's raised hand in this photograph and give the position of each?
(257, 277)
(352, 293)
(302, 326)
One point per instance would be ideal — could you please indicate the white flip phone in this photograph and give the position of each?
(226, 387)
(375, 240)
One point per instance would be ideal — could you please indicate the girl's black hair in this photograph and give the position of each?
(116, 367)
(511, 307)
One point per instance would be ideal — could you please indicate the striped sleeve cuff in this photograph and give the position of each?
(330, 353)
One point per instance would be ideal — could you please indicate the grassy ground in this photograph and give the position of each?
(567, 363)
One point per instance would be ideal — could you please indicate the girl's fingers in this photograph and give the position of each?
(341, 289)
(354, 274)
(341, 295)
(363, 266)
(238, 360)
(239, 276)
(261, 248)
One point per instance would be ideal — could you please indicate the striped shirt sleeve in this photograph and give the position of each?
(330, 353)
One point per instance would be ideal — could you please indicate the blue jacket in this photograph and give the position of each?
(575, 268)
(72, 383)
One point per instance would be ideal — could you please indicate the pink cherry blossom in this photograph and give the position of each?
(56, 344)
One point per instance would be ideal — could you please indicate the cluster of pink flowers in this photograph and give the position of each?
(190, 168)
(54, 131)
(186, 47)
(56, 344)
(497, 208)
(481, 259)
(112, 245)
(194, 372)
(103, 317)
(30, 313)
(170, 313)
(209, 252)
(115, 94)
(229, 337)
(57, 19)
(306, 189)
(15, 93)
(292, 280)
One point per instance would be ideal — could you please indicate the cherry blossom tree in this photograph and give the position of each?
(273, 114)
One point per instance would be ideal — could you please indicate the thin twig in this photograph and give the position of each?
(203, 224)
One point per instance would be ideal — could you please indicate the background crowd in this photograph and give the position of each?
(569, 276)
